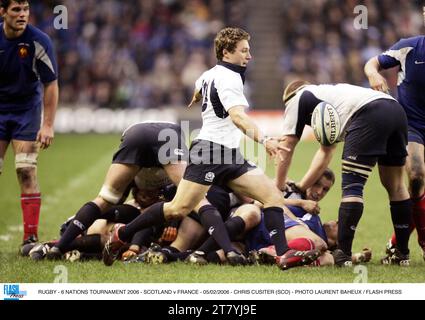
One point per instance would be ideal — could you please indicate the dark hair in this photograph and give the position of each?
(6, 3)
(329, 174)
(227, 39)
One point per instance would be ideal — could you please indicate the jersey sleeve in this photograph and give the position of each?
(290, 118)
(46, 64)
(396, 55)
(231, 93)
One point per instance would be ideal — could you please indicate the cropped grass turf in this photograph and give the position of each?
(71, 173)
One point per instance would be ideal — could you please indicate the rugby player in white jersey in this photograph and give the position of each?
(374, 130)
(215, 158)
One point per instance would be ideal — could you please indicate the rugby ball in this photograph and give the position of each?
(326, 123)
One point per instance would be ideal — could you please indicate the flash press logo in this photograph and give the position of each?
(12, 292)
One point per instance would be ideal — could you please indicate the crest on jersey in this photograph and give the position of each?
(209, 177)
(23, 51)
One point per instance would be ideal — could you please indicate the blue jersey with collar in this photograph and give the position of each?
(25, 63)
(409, 55)
(259, 237)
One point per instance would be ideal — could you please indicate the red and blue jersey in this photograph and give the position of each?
(409, 55)
(25, 63)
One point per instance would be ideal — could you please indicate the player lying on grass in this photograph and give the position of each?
(246, 225)
(305, 234)
(245, 218)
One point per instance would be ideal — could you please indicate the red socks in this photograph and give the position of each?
(301, 244)
(30, 203)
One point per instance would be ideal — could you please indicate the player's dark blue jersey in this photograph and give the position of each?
(409, 55)
(24, 63)
(259, 237)
(311, 220)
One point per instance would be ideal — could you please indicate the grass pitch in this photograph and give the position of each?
(71, 173)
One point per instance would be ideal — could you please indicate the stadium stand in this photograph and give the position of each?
(147, 53)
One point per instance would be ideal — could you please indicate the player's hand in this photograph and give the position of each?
(169, 234)
(274, 147)
(192, 103)
(195, 99)
(132, 252)
(378, 82)
(45, 136)
(311, 206)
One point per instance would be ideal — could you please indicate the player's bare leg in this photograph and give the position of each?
(175, 171)
(415, 166)
(26, 154)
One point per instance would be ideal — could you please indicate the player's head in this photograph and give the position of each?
(231, 45)
(322, 186)
(292, 88)
(147, 197)
(15, 13)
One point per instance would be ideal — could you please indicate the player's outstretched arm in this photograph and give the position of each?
(318, 165)
(250, 129)
(289, 142)
(376, 80)
(51, 97)
(197, 96)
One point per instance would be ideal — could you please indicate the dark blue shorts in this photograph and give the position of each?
(23, 125)
(415, 135)
(377, 133)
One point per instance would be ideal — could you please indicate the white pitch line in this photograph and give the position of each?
(5, 237)
(16, 228)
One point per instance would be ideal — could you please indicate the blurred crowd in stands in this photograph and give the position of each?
(134, 53)
(324, 46)
(148, 53)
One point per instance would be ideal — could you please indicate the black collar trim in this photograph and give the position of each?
(239, 69)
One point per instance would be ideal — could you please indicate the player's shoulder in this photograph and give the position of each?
(410, 42)
(37, 35)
